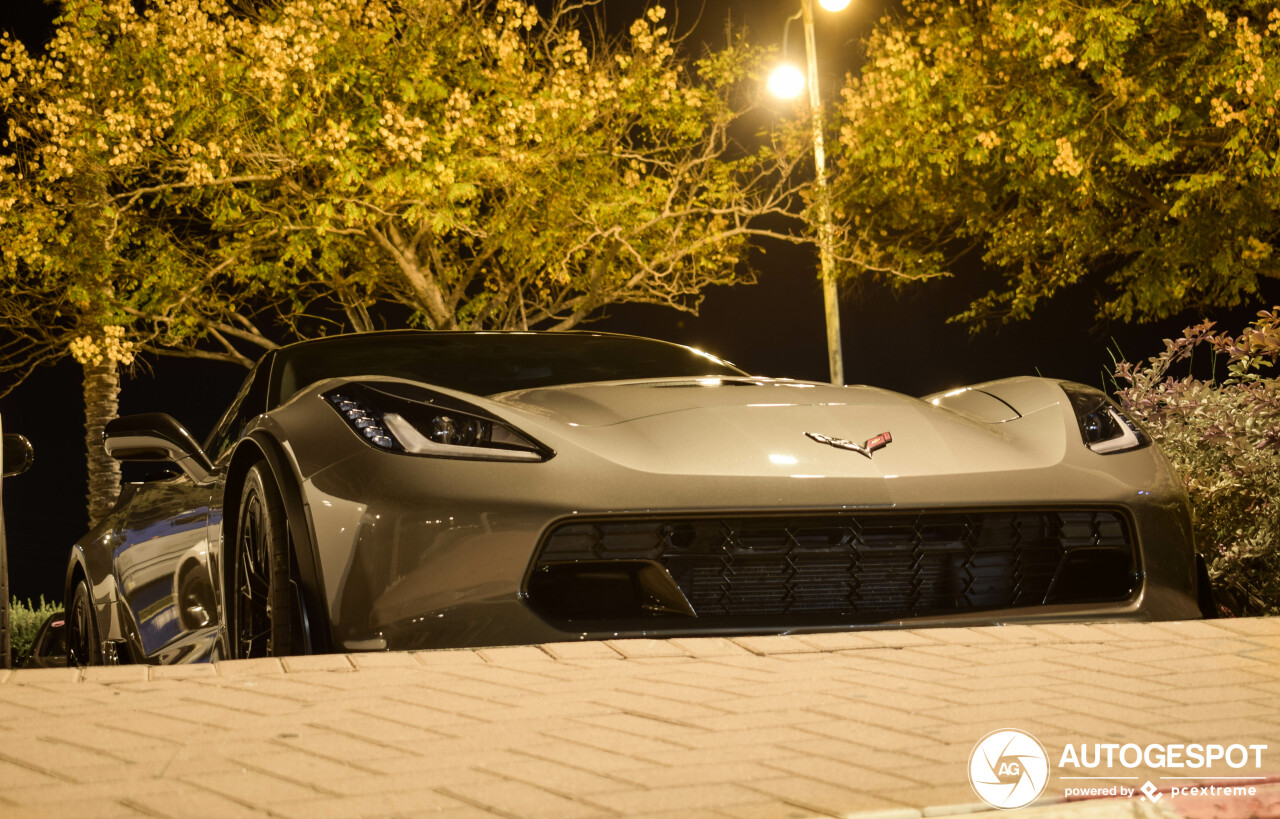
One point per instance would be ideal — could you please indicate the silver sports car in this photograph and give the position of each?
(403, 490)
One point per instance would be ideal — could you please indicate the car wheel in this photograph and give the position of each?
(83, 646)
(267, 616)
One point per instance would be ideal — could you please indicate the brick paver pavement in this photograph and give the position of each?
(876, 724)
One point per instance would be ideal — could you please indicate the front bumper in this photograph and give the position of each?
(425, 553)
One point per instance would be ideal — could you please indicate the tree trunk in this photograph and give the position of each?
(101, 403)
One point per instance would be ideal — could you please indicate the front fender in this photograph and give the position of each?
(264, 442)
(92, 559)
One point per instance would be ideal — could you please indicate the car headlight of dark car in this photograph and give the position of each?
(1103, 425)
(412, 420)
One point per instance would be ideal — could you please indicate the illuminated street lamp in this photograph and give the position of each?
(787, 82)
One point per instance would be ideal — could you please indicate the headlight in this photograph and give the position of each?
(417, 421)
(1103, 426)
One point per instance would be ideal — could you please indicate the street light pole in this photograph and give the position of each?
(787, 82)
(826, 230)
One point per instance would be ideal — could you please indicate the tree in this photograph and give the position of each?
(486, 166)
(104, 249)
(1130, 144)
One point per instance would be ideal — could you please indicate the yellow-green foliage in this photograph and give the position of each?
(484, 164)
(1132, 144)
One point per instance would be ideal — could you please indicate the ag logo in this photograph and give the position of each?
(1008, 769)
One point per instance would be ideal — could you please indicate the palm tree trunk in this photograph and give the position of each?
(101, 403)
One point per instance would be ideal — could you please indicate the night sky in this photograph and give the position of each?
(897, 340)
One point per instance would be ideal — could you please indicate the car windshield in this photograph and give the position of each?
(488, 363)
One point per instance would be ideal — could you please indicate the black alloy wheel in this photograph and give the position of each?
(83, 646)
(267, 618)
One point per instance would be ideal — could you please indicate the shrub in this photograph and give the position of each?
(25, 620)
(1222, 434)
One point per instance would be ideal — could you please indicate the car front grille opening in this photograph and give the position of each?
(606, 589)
(851, 567)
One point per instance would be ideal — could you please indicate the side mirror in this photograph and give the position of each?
(155, 436)
(18, 455)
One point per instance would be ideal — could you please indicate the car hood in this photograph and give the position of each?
(755, 426)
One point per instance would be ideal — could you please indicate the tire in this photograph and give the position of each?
(83, 644)
(1205, 593)
(266, 610)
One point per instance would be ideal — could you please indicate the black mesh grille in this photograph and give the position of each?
(857, 566)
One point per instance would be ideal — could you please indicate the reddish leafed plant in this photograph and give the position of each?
(1212, 402)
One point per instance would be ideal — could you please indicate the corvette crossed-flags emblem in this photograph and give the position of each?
(866, 448)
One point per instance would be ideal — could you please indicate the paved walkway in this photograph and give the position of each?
(875, 723)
